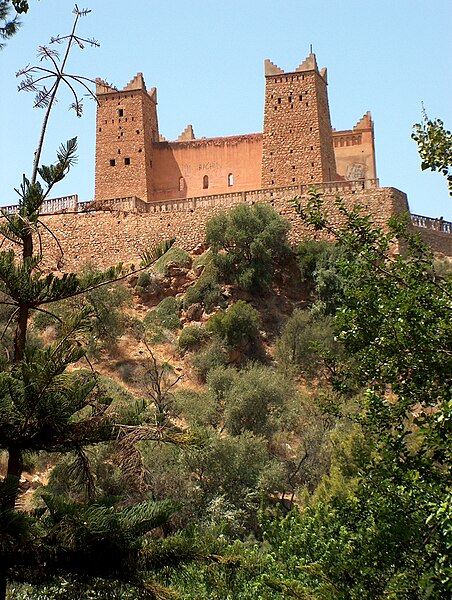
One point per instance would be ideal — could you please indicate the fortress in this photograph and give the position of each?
(297, 146)
(148, 189)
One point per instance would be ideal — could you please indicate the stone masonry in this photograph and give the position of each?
(297, 145)
(104, 238)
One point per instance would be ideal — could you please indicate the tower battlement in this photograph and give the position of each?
(297, 145)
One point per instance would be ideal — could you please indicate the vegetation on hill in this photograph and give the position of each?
(265, 447)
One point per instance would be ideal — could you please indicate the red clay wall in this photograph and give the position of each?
(179, 168)
(355, 152)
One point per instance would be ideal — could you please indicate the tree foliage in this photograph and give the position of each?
(434, 144)
(247, 242)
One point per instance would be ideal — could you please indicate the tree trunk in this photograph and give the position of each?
(20, 335)
(14, 472)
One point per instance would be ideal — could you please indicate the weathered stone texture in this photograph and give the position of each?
(126, 125)
(297, 139)
(132, 159)
(105, 238)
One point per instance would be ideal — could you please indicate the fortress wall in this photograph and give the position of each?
(105, 238)
(354, 150)
(354, 154)
(439, 241)
(179, 167)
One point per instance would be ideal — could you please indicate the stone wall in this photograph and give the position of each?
(437, 233)
(297, 138)
(105, 238)
(126, 125)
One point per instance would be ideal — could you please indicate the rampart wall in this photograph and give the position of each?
(108, 237)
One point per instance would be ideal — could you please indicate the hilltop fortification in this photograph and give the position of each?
(297, 145)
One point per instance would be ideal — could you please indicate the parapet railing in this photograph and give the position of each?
(431, 223)
(134, 204)
(52, 205)
(190, 204)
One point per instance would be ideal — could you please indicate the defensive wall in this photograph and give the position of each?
(119, 230)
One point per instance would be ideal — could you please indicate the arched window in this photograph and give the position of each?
(205, 182)
(230, 179)
(181, 184)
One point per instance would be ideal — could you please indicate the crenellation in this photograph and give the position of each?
(297, 144)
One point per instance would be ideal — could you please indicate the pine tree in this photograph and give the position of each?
(46, 407)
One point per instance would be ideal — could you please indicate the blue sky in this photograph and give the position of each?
(206, 59)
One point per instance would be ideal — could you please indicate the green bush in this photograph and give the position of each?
(319, 270)
(239, 324)
(205, 291)
(174, 255)
(246, 243)
(307, 342)
(255, 400)
(212, 356)
(196, 408)
(192, 337)
(165, 314)
(144, 279)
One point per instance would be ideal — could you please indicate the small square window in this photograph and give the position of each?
(120, 112)
(127, 161)
(112, 162)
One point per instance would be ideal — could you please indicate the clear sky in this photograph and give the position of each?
(206, 59)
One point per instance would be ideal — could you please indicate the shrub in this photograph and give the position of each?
(205, 291)
(319, 269)
(165, 314)
(174, 255)
(212, 356)
(246, 243)
(192, 337)
(144, 279)
(255, 399)
(307, 342)
(196, 408)
(239, 324)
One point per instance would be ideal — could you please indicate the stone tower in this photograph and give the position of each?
(297, 139)
(126, 126)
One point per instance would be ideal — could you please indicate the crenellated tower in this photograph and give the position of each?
(297, 144)
(126, 127)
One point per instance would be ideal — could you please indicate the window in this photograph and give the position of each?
(127, 161)
(205, 182)
(279, 100)
(112, 162)
(181, 184)
(120, 112)
(230, 179)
